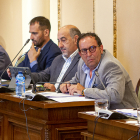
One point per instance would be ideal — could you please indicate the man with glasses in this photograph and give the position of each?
(101, 76)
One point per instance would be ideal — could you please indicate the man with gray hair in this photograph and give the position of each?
(64, 66)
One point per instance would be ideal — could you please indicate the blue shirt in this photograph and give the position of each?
(88, 81)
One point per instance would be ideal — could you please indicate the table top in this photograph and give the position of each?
(130, 124)
(45, 104)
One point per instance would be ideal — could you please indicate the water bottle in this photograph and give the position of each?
(20, 84)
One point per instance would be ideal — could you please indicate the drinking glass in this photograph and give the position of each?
(100, 104)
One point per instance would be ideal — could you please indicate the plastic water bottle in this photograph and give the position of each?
(20, 84)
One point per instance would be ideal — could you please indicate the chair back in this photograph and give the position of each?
(138, 89)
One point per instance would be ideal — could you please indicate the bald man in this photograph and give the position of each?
(64, 66)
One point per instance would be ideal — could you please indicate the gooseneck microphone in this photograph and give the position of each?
(13, 59)
(109, 97)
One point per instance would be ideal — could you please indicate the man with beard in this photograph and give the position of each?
(40, 57)
(64, 66)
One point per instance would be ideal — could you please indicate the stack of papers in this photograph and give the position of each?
(128, 112)
(60, 97)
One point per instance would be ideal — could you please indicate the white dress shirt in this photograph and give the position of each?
(65, 67)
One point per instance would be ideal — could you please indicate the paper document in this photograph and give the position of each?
(57, 95)
(71, 99)
(54, 94)
(128, 112)
(60, 97)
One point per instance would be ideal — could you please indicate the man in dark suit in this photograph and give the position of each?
(64, 66)
(40, 57)
(4, 62)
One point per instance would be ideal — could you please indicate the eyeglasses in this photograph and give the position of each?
(92, 49)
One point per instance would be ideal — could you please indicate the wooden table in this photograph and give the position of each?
(109, 129)
(46, 120)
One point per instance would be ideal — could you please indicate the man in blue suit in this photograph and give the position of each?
(40, 57)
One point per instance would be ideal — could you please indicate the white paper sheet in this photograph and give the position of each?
(71, 99)
(60, 97)
(129, 112)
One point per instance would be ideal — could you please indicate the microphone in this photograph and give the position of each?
(109, 97)
(13, 60)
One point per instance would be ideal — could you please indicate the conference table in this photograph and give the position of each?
(44, 120)
(122, 129)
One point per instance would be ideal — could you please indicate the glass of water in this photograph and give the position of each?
(100, 104)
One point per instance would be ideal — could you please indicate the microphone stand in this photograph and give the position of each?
(34, 88)
(109, 97)
(13, 60)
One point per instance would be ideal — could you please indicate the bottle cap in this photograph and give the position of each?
(20, 72)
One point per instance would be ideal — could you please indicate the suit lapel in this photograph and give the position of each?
(74, 62)
(94, 82)
(43, 52)
(82, 79)
(95, 79)
(59, 67)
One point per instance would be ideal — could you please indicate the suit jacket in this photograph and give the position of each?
(49, 52)
(4, 62)
(116, 80)
(51, 74)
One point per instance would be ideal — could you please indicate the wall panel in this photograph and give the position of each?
(128, 24)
